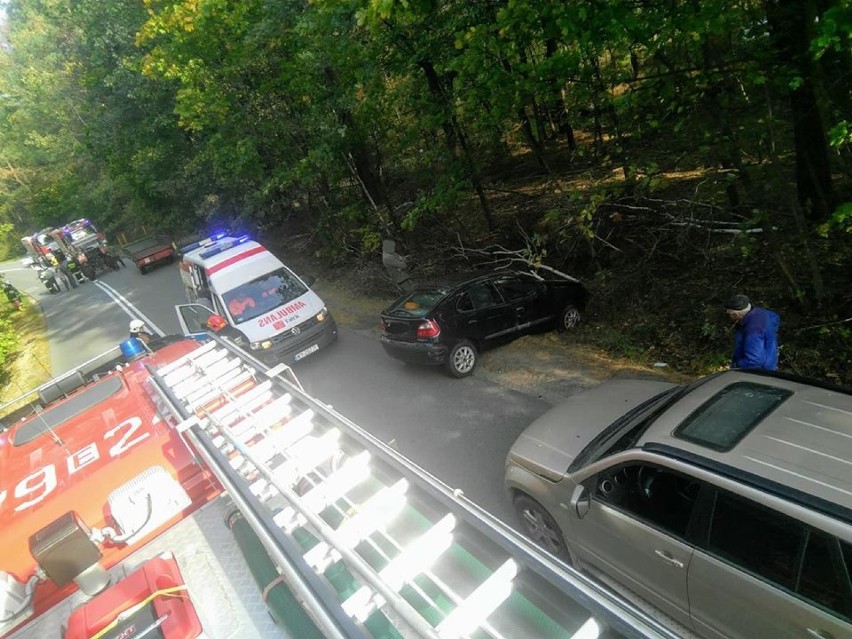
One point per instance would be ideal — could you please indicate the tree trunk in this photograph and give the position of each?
(455, 138)
(791, 27)
(526, 126)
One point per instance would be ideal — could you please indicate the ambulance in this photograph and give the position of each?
(236, 283)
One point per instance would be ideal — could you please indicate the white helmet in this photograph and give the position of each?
(137, 326)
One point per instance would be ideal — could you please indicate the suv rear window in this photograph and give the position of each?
(730, 415)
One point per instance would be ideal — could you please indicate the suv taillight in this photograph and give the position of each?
(383, 327)
(428, 329)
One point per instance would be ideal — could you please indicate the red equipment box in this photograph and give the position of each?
(152, 602)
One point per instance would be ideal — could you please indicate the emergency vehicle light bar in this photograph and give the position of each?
(366, 536)
(207, 241)
(224, 246)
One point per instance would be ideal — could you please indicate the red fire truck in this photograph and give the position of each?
(185, 489)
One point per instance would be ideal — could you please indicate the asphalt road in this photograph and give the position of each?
(459, 430)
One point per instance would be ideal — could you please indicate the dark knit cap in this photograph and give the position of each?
(738, 302)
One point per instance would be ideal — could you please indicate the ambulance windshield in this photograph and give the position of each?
(263, 294)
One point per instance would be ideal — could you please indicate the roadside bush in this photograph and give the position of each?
(8, 340)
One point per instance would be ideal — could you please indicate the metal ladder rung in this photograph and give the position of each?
(278, 412)
(414, 560)
(351, 474)
(222, 366)
(485, 599)
(284, 439)
(208, 391)
(372, 515)
(191, 384)
(258, 395)
(164, 370)
(304, 456)
(215, 398)
(193, 366)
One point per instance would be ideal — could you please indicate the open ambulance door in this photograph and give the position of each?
(194, 319)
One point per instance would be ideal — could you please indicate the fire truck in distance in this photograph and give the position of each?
(82, 241)
(185, 489)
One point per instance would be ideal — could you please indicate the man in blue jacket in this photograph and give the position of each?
(755, 334)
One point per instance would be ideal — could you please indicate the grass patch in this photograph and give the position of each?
(27, 364)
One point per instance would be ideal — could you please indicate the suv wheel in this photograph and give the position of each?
(539, 526)
(461, 360)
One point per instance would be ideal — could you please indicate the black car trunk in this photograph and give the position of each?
(401, 329)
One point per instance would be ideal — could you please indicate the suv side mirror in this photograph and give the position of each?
(581, 501)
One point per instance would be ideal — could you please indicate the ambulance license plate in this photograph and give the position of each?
(306, 352)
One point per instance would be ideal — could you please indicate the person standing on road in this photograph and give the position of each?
(755, 334)
(12, 293)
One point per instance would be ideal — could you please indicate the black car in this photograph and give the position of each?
(450, 321)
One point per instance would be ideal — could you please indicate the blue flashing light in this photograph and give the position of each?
(224, 246)
(207, 241)
(132, 348)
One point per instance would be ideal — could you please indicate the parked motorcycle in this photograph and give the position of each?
(49, 278)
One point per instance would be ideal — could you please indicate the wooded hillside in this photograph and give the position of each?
(670, 153)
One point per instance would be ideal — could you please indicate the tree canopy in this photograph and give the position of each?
(355, 120)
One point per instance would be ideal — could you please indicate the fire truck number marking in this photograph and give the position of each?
(133, 423)
(82, 458)
(35, 487)
(45, 485)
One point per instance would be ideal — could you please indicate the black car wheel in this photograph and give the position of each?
(461, 360)
(540, 526)
(569, 318)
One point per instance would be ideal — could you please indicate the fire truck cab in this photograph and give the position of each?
(266, 306)
(82, 241)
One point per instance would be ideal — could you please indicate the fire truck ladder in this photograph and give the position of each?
(370, 544)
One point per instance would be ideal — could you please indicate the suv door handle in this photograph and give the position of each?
(520, 309)
(819, 634)
(666, 556)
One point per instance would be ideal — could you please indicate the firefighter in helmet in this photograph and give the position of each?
(139, 331)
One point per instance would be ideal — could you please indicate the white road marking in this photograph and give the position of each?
(128, 307)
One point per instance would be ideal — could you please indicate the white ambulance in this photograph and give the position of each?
(269, 309)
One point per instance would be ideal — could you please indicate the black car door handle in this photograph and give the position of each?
(520, 309)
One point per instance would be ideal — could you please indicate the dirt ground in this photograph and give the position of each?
(550, 366)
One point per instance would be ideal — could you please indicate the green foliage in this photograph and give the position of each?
(8, 338)
(350, 120)
(840, 134)
(842, 218)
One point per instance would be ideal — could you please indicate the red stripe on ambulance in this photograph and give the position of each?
(234, 259)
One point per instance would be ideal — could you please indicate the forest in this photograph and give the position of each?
(667, 153)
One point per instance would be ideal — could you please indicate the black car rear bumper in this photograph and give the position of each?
(415, 352)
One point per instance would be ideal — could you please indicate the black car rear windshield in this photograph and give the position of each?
(418, 303)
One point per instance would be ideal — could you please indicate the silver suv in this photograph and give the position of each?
(726, 503)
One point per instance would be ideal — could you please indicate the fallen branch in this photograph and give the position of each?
(810, 328)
